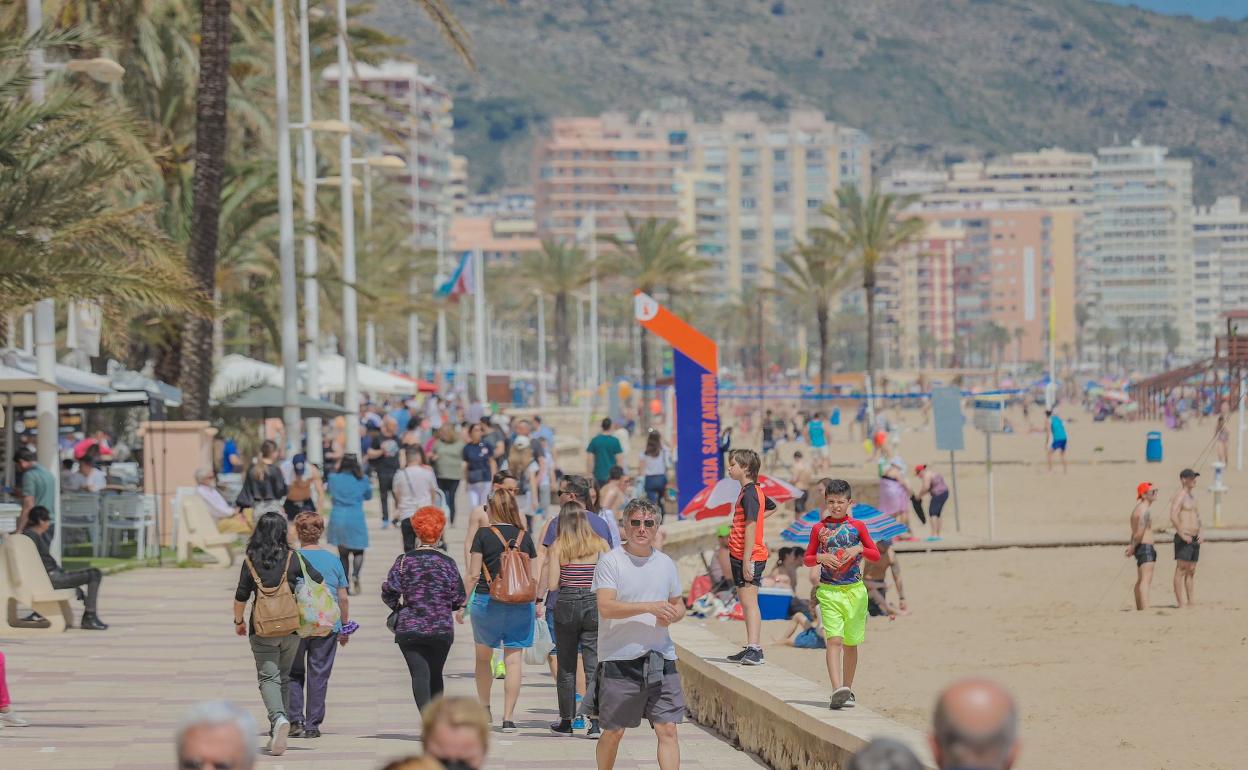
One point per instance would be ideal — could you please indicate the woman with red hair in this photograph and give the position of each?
(425, 589)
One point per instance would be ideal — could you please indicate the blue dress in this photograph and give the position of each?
(347, 527)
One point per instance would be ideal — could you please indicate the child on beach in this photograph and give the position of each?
(838, 544)
(805, 632)
(747, 534)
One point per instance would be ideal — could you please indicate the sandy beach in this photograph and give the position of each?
(1100, 685)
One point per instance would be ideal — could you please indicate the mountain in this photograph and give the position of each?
(931, 80)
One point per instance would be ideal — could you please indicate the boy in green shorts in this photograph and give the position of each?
(838, 544)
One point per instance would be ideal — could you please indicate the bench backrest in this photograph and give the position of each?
(26, 573)
(196, 517)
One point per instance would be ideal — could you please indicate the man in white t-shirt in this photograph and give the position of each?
(638, 591)
(87, 478)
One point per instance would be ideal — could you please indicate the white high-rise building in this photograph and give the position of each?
(1137, 268)
(1221, 266)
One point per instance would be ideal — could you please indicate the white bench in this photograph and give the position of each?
(197, 529)
(24, 580)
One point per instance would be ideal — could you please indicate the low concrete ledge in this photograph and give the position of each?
(779, 716)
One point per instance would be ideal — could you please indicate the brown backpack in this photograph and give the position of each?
(275, 612)
(514, 583)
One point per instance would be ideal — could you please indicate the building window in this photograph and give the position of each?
(813, 203)
(779, 156)
(780, 187)
(748, 203)
(747, 171)
(749, 235)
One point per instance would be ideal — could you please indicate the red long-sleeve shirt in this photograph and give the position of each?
(830, 535)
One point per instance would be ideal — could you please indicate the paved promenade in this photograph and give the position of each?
(112, 699)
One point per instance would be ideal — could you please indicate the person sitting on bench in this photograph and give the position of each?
(37, 524)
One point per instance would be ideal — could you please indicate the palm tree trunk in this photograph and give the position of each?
(868, 285)
(647, 379)
(561, 347)
(821, 317)
(210, 142)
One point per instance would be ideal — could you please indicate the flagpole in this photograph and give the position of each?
(478, 320)
(595, 370)
(443, 358)
(541, 350)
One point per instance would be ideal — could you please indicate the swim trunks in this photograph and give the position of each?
(1145, 553)
(873, 608)
(843, 609)
(1186, 551)
(1059, 445)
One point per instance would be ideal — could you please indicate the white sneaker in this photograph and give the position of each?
(840, 697)
(11, 719)
(277, 741)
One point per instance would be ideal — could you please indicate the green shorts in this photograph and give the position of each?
(843, 609)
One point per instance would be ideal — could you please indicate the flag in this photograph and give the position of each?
(460, 281)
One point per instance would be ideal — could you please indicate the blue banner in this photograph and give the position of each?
(697, 427)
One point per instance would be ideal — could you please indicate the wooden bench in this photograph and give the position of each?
(24, 580)
(197, 529)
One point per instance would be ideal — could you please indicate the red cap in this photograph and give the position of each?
(1143, 489)
(919, 469)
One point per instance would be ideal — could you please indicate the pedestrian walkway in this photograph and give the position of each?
(112, 699)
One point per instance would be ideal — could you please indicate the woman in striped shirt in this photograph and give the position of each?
(576, 551)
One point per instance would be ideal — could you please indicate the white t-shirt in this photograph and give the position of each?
(414, 486)
(90, 483)
(652, 579)
(654, 466)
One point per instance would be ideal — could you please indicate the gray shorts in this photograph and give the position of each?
(624, 698)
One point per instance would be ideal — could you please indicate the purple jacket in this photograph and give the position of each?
(425, 586)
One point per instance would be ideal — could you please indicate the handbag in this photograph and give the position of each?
(539, 653)
(514, 583)
(275, 612)
(392, 620)
(318, 607)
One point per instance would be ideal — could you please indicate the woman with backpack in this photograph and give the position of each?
(263, 484)
(576, 550)
(270, 572)
(424, 589)
(503, 604)
(348, 489)
(315, 659)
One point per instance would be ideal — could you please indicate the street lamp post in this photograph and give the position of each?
(286, 240)
(541, 349)
(350, 321)
(311, 291)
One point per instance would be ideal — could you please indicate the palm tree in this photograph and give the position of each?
(1105, 338)
(558, 271)
(64, 233)
(1082, 315)
(655, 255)
(874, 229)
(1019, 334)
(817, 271)
(1170, 337)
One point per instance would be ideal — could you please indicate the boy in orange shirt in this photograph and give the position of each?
(747, 533)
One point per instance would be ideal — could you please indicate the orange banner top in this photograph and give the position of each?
(679, 334)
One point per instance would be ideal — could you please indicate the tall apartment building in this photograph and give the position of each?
(609, 165)
(1138, 268)
(744, 188)
(1220, 267)
(919, 299)
(457, 188)
(772, 179)
(423, 109)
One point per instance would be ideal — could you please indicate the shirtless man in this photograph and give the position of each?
(875, 575)
(1187, 538)
(802, 478)
(1141, 545)
(478, 517)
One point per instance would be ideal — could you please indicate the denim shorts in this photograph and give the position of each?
(495, 624)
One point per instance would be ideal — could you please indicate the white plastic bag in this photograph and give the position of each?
(542, 643)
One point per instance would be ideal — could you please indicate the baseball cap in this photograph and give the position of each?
(1143, 489)
(1188, 473)
(919, 468)
(723, 531)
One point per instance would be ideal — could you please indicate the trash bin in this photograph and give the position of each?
(1152, 449)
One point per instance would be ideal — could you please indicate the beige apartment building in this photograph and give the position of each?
(423, 107)
(919, 298)
(1220, 268)
(457, 188)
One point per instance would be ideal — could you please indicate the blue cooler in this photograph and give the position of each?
(773, 603)
(1152, 449)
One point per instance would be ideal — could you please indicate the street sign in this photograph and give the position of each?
(988, 415)
(948, 419)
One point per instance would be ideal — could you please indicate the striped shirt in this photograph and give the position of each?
(576, 575)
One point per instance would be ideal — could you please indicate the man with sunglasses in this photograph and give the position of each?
(639, 596)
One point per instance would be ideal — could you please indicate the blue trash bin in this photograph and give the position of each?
(1152, 449)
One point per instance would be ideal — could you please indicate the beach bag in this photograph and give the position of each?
(275, 612)
(318, 607)
(514, 583)
(539, 653)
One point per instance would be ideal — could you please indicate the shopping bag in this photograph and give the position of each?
(542, 643)
(318, 607)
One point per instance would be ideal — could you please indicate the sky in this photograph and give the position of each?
(1201, 9)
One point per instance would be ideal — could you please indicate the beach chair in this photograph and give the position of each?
(24, 580)
(197, 529)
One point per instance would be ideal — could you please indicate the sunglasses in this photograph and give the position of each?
(647, 523)
(199, 764)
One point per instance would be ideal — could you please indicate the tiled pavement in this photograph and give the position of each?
(112, 699)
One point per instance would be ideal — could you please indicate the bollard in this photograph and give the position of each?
(1218, 488)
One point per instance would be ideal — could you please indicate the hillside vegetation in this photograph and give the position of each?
(932, 80)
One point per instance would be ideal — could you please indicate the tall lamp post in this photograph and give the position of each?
(286, 239)
(350, 320)
(311, 291)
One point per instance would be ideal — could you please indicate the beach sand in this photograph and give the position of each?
(1099, 684)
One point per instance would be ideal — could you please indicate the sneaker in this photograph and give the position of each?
(594, 732)
(296, 730)
(278, 736)
(312, 733)
(500, 669)
(753, 657)
(740, 656)
(11, 719)
(562, 727)
(510, 726)
(578, 723)
(839, 698)
(355, 583)
(852, 701)
(934, 539)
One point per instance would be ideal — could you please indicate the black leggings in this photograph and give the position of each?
(425, 660)
(344, 553)
(385, 486)
(449, 487)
